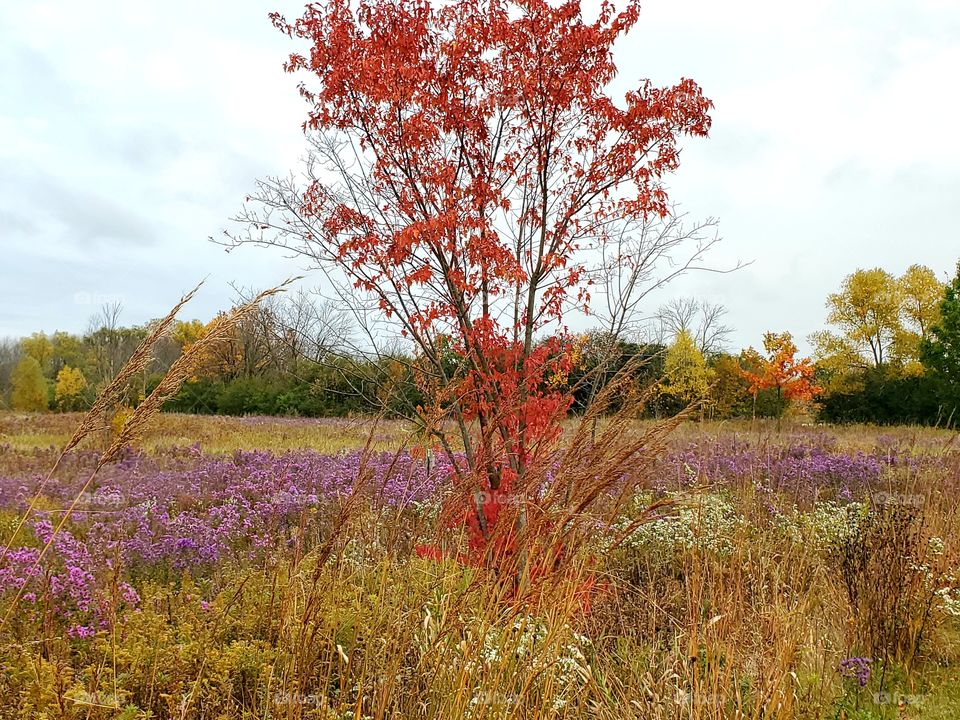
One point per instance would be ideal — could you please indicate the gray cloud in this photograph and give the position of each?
(69, 214)
(132, 131)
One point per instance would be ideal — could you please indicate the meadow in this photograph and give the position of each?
(287, 568)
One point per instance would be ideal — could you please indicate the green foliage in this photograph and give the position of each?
(68, 351)
(886, 397)
(10, 354)
(198, 396)
(337, 388)
(940, 352)
(29, 386)
(601, 360)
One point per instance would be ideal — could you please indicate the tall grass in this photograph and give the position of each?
(667, 602)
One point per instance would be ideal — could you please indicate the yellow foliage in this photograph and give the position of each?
(120, 418)
(881, 318)
(29, 385)
(185, 333)
(39, 347)
(687, 377)
(69, 388)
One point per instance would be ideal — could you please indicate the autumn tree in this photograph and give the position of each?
(840, 368)
(187, 332)
(69, 388)
(730, 390)
(467, 166)
(39, 347)
(780, 370)
(245, 352)
(29, 385)
(226, 360)
(921, 294)
(880, 321)
(686, 376)
(867, 313)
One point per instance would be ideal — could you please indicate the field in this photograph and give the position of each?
(285, 568)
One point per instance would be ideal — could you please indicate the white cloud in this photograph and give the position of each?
(132, 132)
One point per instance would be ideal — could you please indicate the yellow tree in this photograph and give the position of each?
(867, 311)
(921, 294)
(29, 385)
(880, 320)
(39, 347)
(68, 392)
(187, 332)
(686, 375)
(839, 365)
(225, 360)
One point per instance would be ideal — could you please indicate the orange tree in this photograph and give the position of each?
(779, 370)
(467, 163)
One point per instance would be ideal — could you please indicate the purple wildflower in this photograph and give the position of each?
(856, 668)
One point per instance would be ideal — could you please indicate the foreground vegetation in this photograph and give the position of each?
(809, 573)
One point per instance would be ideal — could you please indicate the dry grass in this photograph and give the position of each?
(24, 433)
(353, 625)
(101, 413)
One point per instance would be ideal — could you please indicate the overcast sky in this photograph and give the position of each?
(130, 132)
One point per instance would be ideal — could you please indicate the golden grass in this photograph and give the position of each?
(216, 434)
(25, 432)
(353, 625)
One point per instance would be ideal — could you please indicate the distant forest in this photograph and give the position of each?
(890, 353)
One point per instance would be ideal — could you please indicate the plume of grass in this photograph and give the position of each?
(569, 496)
(94, 419)
(132, 429)
(182, 369)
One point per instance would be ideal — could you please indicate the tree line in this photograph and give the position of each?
(891, 354)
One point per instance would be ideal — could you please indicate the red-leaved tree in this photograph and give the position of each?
(468, 168)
